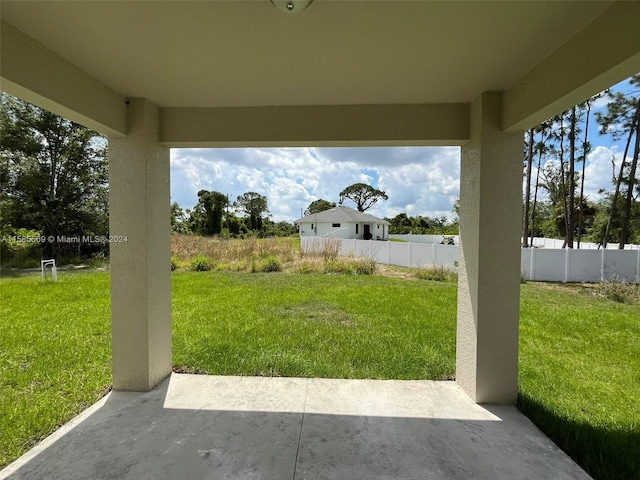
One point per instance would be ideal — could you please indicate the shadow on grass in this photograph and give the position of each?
(606, 453)
(15, 272)
(9, 272)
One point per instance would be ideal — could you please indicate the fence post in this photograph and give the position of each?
(532, 263)
(434, 257)
(567, 262)
(638, 268)
(389, 252)
(409, 250)
(602, 265)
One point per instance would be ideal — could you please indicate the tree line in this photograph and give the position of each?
(216, 215)
(364, 196)
(558, 149)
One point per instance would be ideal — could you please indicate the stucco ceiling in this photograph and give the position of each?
(248, 53)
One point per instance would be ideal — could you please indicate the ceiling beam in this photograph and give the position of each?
(40, 76)
(326, 125)
(602, 54)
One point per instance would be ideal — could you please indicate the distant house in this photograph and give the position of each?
(343, 222)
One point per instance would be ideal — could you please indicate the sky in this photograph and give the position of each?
(418, 180)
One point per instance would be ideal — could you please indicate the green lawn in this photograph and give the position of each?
(350, 326)
(580, 375)
(579, 369)
(55, 354)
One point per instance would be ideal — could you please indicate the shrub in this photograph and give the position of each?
(271, 264)
(309, 265)
(436, 273)
(365, 266)
(200, 263)
(174, 263)
(15, 251)
(350, 265)
(620, 291)
(99, 259)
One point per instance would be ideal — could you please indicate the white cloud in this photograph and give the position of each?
(426, 185)
(418, 180)
(600, 169)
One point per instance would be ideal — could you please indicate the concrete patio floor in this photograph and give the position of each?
(209, 427)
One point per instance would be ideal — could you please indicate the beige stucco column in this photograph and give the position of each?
(140, 265)
(489, 269)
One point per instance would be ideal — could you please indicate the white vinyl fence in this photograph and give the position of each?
(404, 254)
(409, 237)
(540, 242)
(572, 265)
(543, 264)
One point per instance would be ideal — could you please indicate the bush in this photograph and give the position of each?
(98, 260)
(620, 291)
(200, 263)
(309, 265)
(436, 273)
(350, 265)
(16, 249)
(174, 264)
(365, 266)
(271, 264)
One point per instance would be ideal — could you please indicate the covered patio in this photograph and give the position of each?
(159, 75)
(197, 427)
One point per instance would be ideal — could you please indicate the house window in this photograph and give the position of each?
(356, 228)
(336, 225)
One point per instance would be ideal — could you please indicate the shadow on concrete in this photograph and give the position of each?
(177, 431)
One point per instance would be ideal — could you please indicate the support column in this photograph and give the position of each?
(489, 265)
(140, 274)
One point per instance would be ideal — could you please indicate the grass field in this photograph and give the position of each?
(579, 368)
(55, 354)
(580, 375)
(349, 326)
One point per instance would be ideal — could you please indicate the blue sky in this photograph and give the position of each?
(418, 180)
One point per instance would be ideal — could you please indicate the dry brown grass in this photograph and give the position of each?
(326, 248)
(253, 255)
(233, 254)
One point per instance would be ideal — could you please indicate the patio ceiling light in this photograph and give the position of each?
(291, 6)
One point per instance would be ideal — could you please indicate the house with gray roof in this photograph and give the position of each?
(343, 222)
